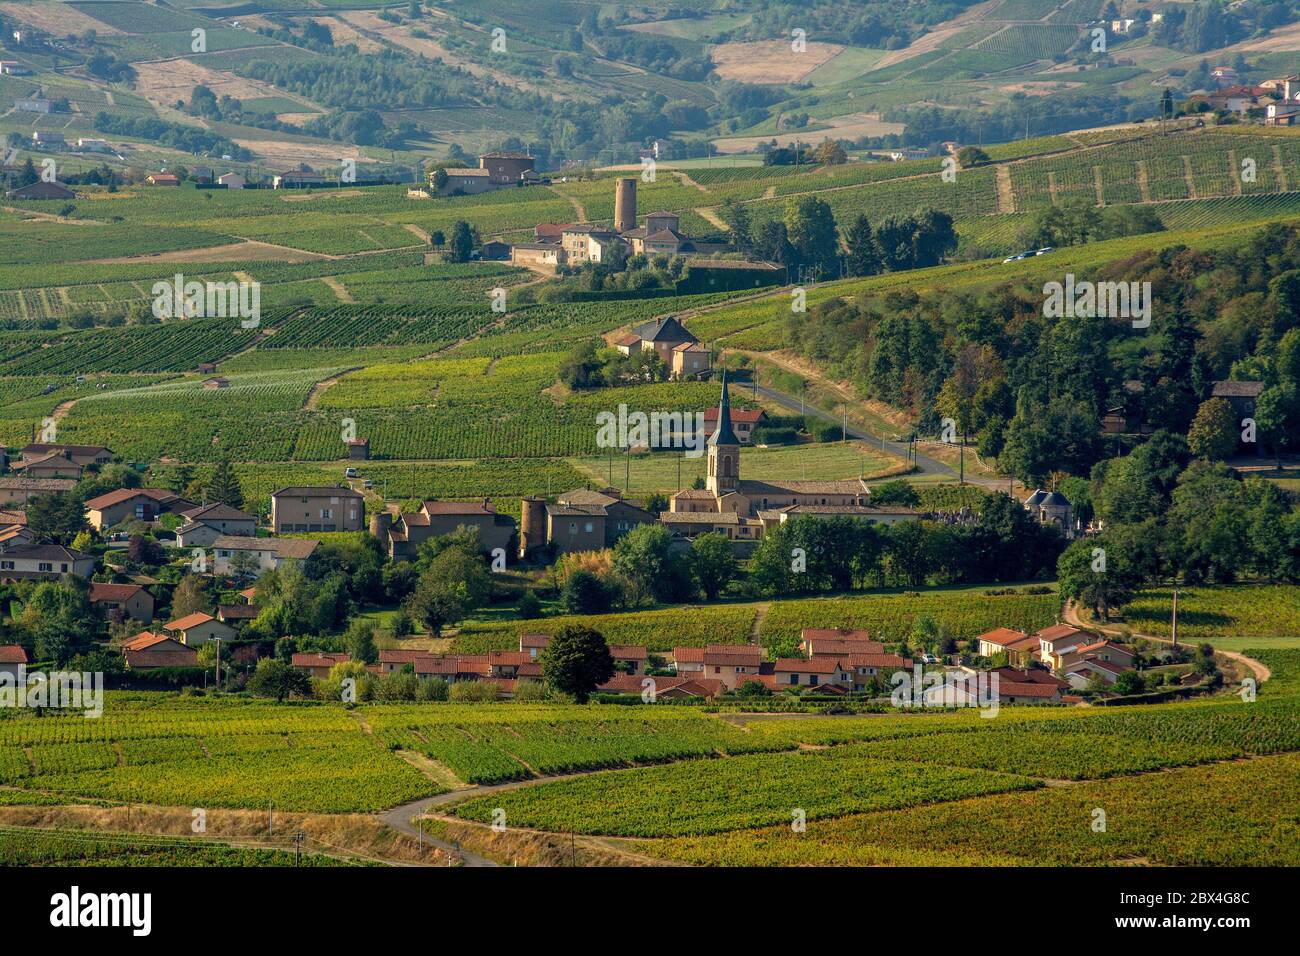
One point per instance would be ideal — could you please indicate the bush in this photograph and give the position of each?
(530, 690)
(474, 691)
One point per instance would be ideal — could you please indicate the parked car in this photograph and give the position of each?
(350, 473)
(1045, 250)
(929, 659)
(368, 484)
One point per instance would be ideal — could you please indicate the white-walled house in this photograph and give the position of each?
(268, 552)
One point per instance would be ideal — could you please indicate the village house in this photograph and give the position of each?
(41, 190)
(48, 139)
(34, 561)
(18, 491)
(865, 667)
(148, 651)
(317, 665)
(131, 504)
(1081, 673)
(162, 179)
(14, 534)
(52, 464)
(130, 600)
(301, 508)
(85, 455)
(838, 641)
(232, 181)
(994, 642)
(811, 672)
(743, 421)
(268, 553)
(533, 644)
(195, 630)
(579, 520)
(1055, 642)
(401, 534)
(11, 657)
(237, 614)
(729, 663)
(205, 524)
(513, 665)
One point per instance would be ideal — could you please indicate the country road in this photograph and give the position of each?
(399, 818)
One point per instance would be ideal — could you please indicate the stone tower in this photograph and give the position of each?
(724, 450)
(624, 205)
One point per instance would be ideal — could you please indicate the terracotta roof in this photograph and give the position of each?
(401, 655)
(731, 657)
(238, 612)
(509, 658)
(110, 498)
(1032, 676)
(534, 640)
(1003, 636)
(37, 484)
(162, 656)
(312, 659)
(748, 416)
(877, 660)
(628, 339)
(113, 592)
(803, 665)
(479, 507)
(188, 621)
(1058, 632)
(688, 655)
(628, 652)
(12, 654)
(1096, 662)
(464, 664)
(316, 491)
(144, 639)
(1010, 689)
(216, 512)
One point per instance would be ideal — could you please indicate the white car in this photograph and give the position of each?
(929, 659)
(350, 473)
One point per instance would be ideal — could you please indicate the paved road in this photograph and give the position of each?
(925, 465)
(399, 818)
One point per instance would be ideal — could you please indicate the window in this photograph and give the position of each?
(794, 678)
(326, 513)
(7, 565)
(63, 567)
(46, 566)
(588, 527)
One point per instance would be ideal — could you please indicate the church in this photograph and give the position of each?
(742, 508)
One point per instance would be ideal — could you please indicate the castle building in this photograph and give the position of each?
(1052, 507)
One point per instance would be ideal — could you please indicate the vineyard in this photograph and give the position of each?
(657, 630)
(889, 617)
(21, 846)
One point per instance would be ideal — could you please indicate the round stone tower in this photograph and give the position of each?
(624, 205)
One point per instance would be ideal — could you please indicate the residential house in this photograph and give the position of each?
(393, 660)
(532, 644)
(128, 600)
(1058, 640)
(148, 651)
(232, 181)
(1282, 114)
(29, 561)
(464, 182)
(204, 524)
(743, 422)
(18, 491)
(513, 665)
(42, 190)
(48, 139)
(297, 179)
(317, 665)
(994, 642)
(12, 656)
(12, 535)
(587, 243)
(130, 504)
(316, 508)
(87, 145)
(544, 257)
(1119, 654)
(731, 664)
(268, 553)
(583, 520)
(632, 658)
(691, 360)
(811, 672)
(162, 179)
(1081, 673)
(506, 168)
(195, 630)
(662, 336)
(53, 464)
(402, 534)
(236, 614)
(864, 667)
(84, 455)
(453, 668)
(842, 640)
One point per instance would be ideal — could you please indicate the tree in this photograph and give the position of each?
(190, 597)
(462, 242)
(59, 619)
(713, 563)
(55, 518)
(273, 678)
(359, 641)
(970, 156)
(896, 492)
(585, 593)
(1097, 574)
(436, 604)
(529, 606)
(863, 258)
(223, 487)
(831, 153)
(577, 661)
(810, 226)
(1129, 682)
(1213, 434)
(244, 566)
(645, 558)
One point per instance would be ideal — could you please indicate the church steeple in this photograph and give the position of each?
(724, 449)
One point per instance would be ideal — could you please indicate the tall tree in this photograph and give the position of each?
(863, 257)
(224, 487)
(577, 661)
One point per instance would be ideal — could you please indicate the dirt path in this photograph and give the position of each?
(713, 217)
(685, 179)
(340, 290)
(1189, 178)
(313, 397)
(1006, 195)
(578, 209)
(416, 231)
(1144, 186)
(1072, 616)
(755, 629)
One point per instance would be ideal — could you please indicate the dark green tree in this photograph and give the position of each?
(577, 661)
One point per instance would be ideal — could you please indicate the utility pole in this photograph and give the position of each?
(218, 687)
(844, 424)
(1173, 627)
(270, 817)
(961, 480)
(297, 848)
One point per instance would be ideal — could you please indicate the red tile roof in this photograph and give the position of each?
(876, 660)
(1002, 636)
(800, 665)
(534, 640)
(12, 654)
(1058, 631)
(113, 592)
(688, 655)
(188, 621)
(314, 660)
(110, 498)
(628, 652)
(834, 634)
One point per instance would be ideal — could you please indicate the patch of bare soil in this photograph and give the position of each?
(56, 18)
(849, 126)
(249, 251)
(769, 61)
(163, 82)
